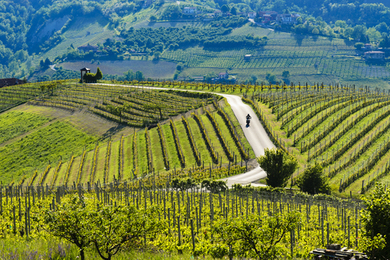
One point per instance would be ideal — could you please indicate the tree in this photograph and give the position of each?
(99, 74)
(183, 184)
(375, 218)
(286, 74)
(225, 9)
(115, 227)
(255, 236)
(278, 165)
(214, 186)
(312, 180)
(233, 10)
(359, 45)
(156, 55)
(108, 228)
(68, 221)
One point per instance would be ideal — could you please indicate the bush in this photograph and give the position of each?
(312, 181)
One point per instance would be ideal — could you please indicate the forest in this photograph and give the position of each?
(29, 29)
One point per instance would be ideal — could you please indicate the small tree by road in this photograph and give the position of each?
(312, 180)
(278, 165)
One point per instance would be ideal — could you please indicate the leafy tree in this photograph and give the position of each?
(233, 11)
(139, 75)
(255, 236)
(99, 74)
(359, 45)
(375, 218)
(278, 165)
(286, 74)
(183, 184)
(214, 186)
(272, 79)
(69, 221)
(108, 228)
(225, 9)
(116, 227)
(153, 18)
(156, 55)
(312, 180)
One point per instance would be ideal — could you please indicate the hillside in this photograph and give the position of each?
(43, 33)
(343, 128)
(89, 133)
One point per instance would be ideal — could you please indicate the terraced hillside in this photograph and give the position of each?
(161, 142)
(346, 129)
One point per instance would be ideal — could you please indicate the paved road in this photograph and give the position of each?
(255, 134)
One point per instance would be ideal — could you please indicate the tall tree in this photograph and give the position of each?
(99, 74)
(312, 180)
(376, 220)
(278, 165)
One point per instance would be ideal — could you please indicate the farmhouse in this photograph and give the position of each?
(190, 10)
(374, 55)
(287, 18)
(10, 82)
(252, 15)
(223, 75)
(88, 47)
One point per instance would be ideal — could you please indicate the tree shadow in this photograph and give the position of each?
(112, 131)
(299, 38)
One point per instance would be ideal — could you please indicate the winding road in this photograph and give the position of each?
(255, 134)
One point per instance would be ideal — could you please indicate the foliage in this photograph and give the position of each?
(93, 77)
(214, 186)
(183, 184)
(375, 218)
(313, 180)
(278, 165)
(105, 227)
(255, 236)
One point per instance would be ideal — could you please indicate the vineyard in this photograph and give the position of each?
(345, 129)
(161, 141)
(189, 221)
(307, 59)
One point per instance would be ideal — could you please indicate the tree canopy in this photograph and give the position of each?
(278, 165)
(312, 180)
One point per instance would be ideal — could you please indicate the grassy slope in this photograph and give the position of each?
(35, 150)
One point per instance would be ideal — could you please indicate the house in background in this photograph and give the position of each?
(287, 18)
(374, 55)
(190, 11)
(252, 15)
(88, 47)
(10, 82)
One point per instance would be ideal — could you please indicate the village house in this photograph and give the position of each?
(223, 75)
(88, 47)
(10, 82)
(374, 55)
(247, 57)
(190, 11)
(368, 47)
(252, 15)
(267, 16)
(217, 13)
(287, 18)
